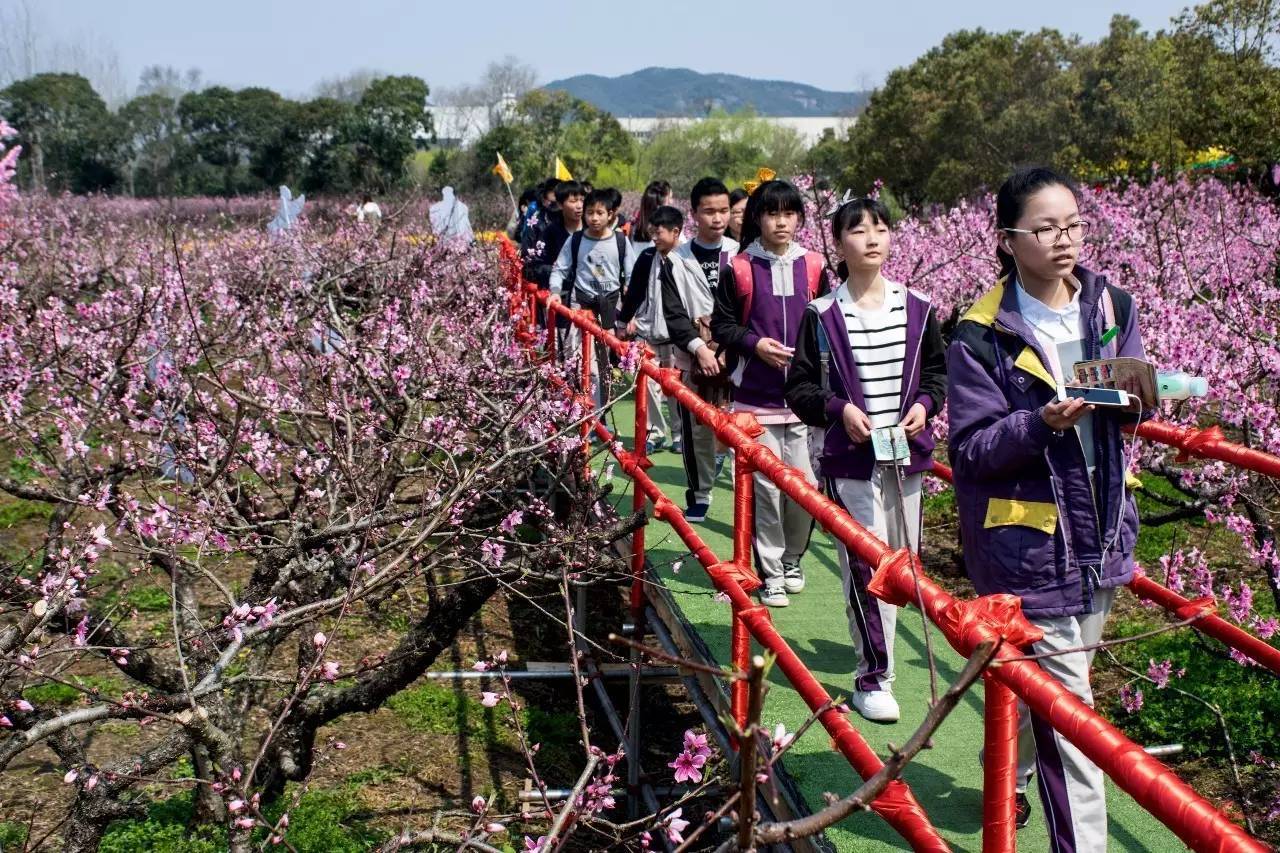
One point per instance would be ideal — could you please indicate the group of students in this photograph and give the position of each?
(829, 364)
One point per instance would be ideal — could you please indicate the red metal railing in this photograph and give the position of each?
(965, 624)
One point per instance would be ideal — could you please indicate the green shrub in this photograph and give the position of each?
(435, 708)
(166, 829)
(17, 511)
(149, 599)
(1242, 693)
(324, 822)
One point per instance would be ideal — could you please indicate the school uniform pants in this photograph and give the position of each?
(893, 515)
(782, 526)
(1071, 786)
(664, 411)
(698, 447)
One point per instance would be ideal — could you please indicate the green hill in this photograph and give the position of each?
(682, 92)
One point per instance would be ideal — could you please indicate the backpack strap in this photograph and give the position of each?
(575, 245)
(743, 284)
(815, 265)
(824, 355)
(623, 243)
(1116, 307)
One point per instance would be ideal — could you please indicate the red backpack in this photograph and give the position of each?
(744, 281)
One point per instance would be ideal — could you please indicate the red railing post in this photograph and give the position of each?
(999, 767)
(553, 322)
(588, 353)
(641, 453)
(744, 486)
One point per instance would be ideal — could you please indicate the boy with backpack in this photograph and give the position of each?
(687, 305)
(590, 272)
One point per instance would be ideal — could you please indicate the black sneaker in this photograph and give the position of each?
(1021, 811)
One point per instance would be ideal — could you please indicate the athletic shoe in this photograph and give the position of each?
(792, 578)
(774, 596)
(878, 706)
(676, 446)
(1021, 811)
(696, 513)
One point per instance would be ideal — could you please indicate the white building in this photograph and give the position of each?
(810, 128)
(460, 126)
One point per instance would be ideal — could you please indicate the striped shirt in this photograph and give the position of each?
(878, 340)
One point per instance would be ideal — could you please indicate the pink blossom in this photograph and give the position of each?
(688, 766)
(23, 705)
(246, 822)
(319, 640)
(489, 699)
(236, 806)
(1160, 672)
(494, 828)
(781, 737)
(481, 666)
(696, 743)
(71, 777)
(5, 722)
(478, 805)
(493, 552)
(1131, 698)
(329, 671)
(538, 846)
(675, 826)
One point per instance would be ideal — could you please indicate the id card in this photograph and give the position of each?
(890, 445)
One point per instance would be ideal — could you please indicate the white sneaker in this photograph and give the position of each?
(792, 577)
(878, 706)
(773, 596)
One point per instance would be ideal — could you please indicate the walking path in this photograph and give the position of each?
(947, 779)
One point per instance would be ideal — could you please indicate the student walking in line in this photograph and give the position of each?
(641, 316)
(870, 357)
(547, 231)
(591, 271)
(760, 300)
(688, 308)
(657, 194)
(1040, 479)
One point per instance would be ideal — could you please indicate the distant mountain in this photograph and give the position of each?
(682, 92)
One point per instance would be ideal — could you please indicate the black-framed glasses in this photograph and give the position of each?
(1048, 235)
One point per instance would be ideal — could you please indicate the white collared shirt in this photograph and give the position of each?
(1060, 335)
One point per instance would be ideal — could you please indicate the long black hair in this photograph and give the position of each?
(769, 197)
(850, 215)
(655, 196)
(1011, 200)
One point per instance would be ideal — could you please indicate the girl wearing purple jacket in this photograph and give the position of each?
(1040, 482)
(870, 357)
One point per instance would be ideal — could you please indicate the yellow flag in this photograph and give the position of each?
(562, 173)
(502, 170)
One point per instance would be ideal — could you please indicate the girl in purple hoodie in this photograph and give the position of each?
(760, 299)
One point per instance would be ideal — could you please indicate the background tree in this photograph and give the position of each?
(391, 116)
(730, 146)
(70, 140)
(158, 153)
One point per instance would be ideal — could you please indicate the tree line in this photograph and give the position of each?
(215, 141)
(971, 109)
(954, 121)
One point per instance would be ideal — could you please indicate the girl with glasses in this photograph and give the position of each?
(1040, 481)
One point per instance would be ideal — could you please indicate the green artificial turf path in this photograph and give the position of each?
(947, 779)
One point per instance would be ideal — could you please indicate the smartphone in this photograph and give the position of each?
(1113, 397)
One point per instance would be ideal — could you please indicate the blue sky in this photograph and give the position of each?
(289, 45)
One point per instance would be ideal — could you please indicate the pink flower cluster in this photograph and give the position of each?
(689, 763)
